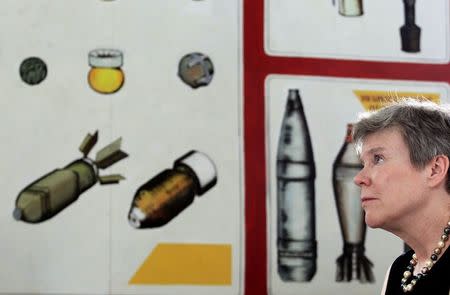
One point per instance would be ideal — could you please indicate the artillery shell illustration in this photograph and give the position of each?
(106, 75)
(410, 32)
(167, 194)
(33, 70)
(56, 190)
(295, 195)
(352, 264)
(196, 69)
(350, 7)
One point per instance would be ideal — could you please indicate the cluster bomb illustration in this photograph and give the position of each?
(106, 75)
(33, 70)
(196, 69)
(53, 192)
(167, 194)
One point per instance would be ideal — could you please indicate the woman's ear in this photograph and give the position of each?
(439, 166)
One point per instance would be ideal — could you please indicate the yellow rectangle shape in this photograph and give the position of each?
(188, 264)
(375, 99)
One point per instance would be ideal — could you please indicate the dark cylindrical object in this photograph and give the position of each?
(410, 32)
(295, 195)
(352, 264)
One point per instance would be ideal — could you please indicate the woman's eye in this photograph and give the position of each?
(377, 159)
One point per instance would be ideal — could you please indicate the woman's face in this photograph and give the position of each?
(391, 188)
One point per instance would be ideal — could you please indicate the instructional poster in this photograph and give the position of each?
(383, 30)
(122, 157)
(317, 236)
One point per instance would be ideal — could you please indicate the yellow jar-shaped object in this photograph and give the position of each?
(106, 75)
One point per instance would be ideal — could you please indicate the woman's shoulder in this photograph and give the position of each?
(395, 273)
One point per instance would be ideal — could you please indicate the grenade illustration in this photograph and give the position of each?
(56, 190)
(352, 264)
(296, 238)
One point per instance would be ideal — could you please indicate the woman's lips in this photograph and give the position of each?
(367, 199)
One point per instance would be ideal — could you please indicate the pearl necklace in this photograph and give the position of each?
(408, 274)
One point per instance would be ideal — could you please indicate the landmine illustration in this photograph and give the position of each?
(56, 190)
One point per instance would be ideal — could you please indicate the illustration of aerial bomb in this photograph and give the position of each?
(167, 194)
(196, 69)
(350, 7)
(295, 195)
(352, 264)
(56, 190)
(410, 32)
(106, 75)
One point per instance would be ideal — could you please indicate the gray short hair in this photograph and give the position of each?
(424, 126)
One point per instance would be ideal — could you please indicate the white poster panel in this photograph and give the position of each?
(329, 104)
(359, 30)
(90, 247)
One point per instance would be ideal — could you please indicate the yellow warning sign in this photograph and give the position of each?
(187, 264)
(374, 99)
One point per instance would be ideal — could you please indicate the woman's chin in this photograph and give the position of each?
(373, 221)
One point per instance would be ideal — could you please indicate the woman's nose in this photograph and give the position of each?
(361, 178)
